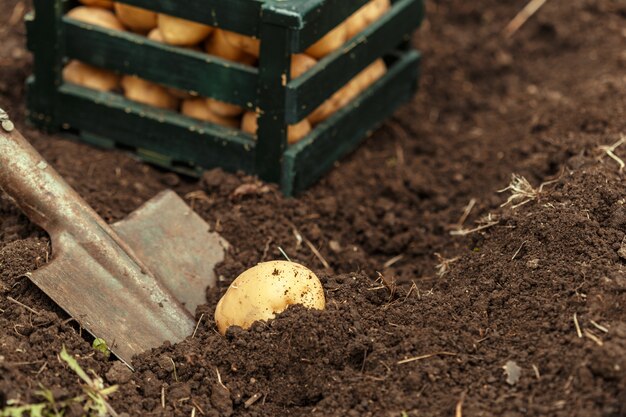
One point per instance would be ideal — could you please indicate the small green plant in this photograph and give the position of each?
(93, 400)
(101, 346)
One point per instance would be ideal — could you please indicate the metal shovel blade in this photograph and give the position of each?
(176, 245)
(135, 284)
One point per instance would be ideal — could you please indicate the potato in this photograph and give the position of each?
(136, 18)
(198, 109)
(365, 16)
(107, 4)
(85, 75)
(370, 74)
(223, 109)
(219, 45)
(265, 290)
(96, 16)
(301, 63)
(146, 92)
(298, 131)
(375, 9)
(349, 92)
(155, 35)
(248, 44)
(181, 32)
(330, 42)
(249, 124)
(356, 23)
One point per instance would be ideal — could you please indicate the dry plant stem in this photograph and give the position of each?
(443, 267)
(13, 300)
(526, 13)
(536, 369)
(484, 223)
(599, 327)
(392, 261)
(593, 337)
(466, 213)
(256, 397)
(174, 366)
(197, 325)
(317, 253)
(610, 151)
(521, 190)
(518, 251)
(430, 355)
(578, 331)
(301, 238)
(219, 379)
(459, 406)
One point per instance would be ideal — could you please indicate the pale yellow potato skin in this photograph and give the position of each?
(181, 32)
(219, 45)
(365, 16)
(330, 42)
(198, 109)
(96, 16)
(295, 132)
(248, 44)
(265, 290)
(146, 92)
(349, 92)
(136, 18)
(88, 76)
(301, 63)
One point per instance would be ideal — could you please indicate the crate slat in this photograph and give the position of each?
(237, 15)
(182, 139)
(181, 68)
(307, 92)
(309, 19)
(306, 161)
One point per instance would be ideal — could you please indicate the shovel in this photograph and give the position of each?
(136, 283)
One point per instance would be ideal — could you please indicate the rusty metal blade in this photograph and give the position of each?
(129, 312)
(176, 245)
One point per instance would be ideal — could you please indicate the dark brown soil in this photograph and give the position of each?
(540, 105)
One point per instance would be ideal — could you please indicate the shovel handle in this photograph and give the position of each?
(39, 191)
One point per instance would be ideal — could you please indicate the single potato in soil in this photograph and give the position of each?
(265, 290)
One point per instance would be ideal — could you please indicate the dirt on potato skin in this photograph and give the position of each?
(540, 105)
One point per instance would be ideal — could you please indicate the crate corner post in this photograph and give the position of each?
(274, 74)
(46, 43)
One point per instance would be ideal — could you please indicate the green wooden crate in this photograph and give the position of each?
(186, 145)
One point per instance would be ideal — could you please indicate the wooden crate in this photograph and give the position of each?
(187, 145)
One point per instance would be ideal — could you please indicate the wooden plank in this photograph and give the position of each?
(306, 161)
(274, 62)
(181, 68)
(316, 17)
(307, 92)
(237, 15)
(43, 30)
(187, 141)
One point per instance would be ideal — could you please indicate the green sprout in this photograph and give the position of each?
(93, 400)
(101, 346)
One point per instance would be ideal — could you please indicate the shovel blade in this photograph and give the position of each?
(131, 319)
(176, 245)
(135, 310)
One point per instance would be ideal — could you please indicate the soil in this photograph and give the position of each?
(432, 308)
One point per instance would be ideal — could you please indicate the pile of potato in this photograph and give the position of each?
(222, 43)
